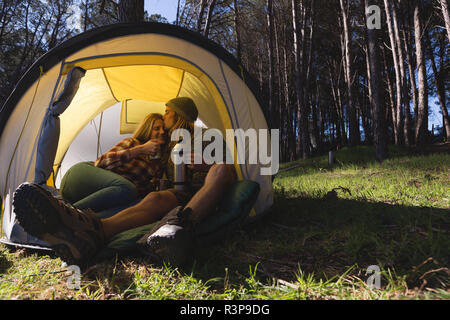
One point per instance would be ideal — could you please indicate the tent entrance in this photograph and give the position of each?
(140, 83)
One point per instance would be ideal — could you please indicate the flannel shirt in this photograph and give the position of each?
(139, 170)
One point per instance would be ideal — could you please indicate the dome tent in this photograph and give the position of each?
(141, 66)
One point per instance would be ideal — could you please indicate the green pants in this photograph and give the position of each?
(87, 186)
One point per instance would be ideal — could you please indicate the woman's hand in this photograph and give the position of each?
(151, 147)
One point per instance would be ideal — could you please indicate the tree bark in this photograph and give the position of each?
(290, 118)
(444, 7)
(131, 10)
(301, 109)
(177, 20)
(211, 6)
(439, 88)
(237, 30)
(203, 4)
(390, 91)
(336, 106)
(398, 87)
(422, 116)
(376, 101)
(314, 114)
(412, 82)
(403, 92)
(351, 111)
(272, 119)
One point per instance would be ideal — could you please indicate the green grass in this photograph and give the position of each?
(327, 225)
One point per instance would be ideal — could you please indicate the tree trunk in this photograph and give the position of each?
(379, 135)
(336, 105)
(390, 92)
(272, 118)
(237, 30)
(209, 17)
(439, 87)
(422, 116)
(401, 60)
(177, 21)
(314, 114)
(277, 71)
(310, 47)
(444, 7)
(290, 126)
(131, 10)
(301, 109)
(398, 101)
(412, 82)
(200, 15)
(369, 109)
(351, 112)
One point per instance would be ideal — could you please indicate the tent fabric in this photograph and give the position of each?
(48, 141)
(124, 63)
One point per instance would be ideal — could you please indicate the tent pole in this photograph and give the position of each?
(98, 135)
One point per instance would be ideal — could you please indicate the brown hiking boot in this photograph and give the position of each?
(75, 235)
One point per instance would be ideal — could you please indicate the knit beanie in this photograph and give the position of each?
(184, 107)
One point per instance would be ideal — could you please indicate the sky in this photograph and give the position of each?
(166, 8)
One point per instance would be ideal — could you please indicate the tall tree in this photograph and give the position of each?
(211, 6)
(351, 110)
(376, 100)
(439, 87)
(203, 4)
(271, 73)
(237, 31)
(303, 132)
(421, 129)
(412, 81)
(403, 83)
(177, 20)
(397, 112)
(131, 10)
(444, 8)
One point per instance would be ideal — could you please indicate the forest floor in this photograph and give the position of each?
(328, 224)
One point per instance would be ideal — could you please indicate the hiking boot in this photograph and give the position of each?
(75, 235)
(172, 239)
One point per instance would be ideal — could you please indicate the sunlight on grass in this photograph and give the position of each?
(416, 181)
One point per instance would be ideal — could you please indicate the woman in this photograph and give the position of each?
(128, 171)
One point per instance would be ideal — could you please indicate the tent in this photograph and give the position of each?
(133, 69)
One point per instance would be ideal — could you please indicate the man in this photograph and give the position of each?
(77, 235)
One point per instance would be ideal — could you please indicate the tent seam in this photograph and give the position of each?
(17, 144)
(109, 85)
(181, 83)
(232, 103)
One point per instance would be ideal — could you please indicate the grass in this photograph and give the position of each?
(327, 225)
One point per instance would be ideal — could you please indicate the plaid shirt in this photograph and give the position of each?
(140, 170)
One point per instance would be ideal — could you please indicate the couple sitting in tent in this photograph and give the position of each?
(76, 233)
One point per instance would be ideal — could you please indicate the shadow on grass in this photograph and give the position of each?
(327, 237)
(5, 264)
(314, 236)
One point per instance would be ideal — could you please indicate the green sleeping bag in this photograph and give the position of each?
(232, 211)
